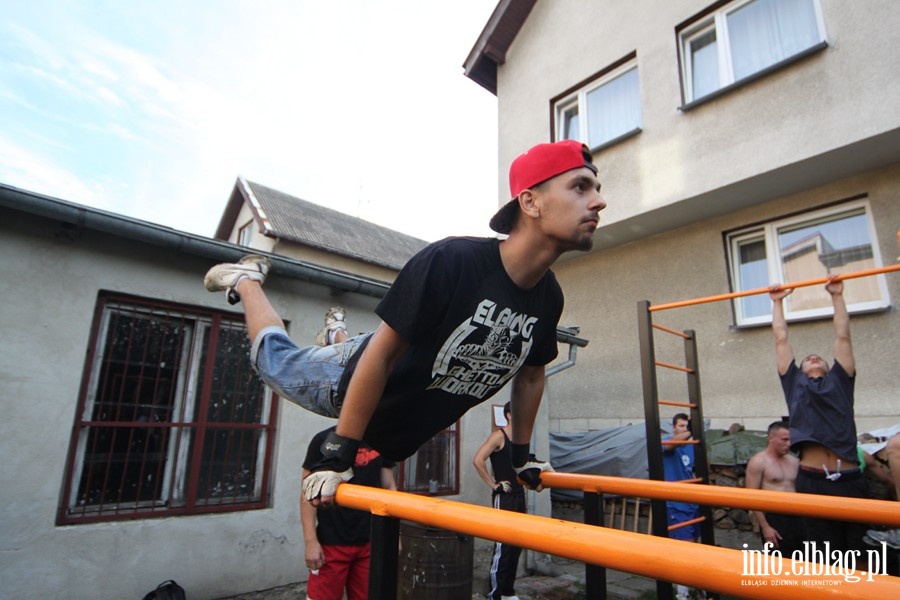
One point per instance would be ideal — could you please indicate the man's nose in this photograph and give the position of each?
(598, 203)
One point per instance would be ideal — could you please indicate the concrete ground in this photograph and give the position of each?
(560, 579)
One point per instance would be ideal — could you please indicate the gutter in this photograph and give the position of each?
(157, 235)
(81, 216)
(567, 335)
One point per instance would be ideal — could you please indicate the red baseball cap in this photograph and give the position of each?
(535, 166)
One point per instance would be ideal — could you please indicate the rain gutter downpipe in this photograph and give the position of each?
(567, 335)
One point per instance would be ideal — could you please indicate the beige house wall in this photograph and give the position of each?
(815, 132)
(258, 239)
(839, 96)
(47, 316)
(737, 365)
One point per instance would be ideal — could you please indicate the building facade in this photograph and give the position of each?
(138, 444)
(740, 143)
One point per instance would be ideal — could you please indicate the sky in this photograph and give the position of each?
(153, 108)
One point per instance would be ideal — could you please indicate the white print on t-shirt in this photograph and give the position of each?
(483, 352)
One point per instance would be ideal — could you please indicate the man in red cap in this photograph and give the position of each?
(464, 317)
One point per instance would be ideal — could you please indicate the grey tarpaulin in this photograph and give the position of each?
(619, 451)
(622, 452)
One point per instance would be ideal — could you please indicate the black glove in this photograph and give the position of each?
(335, 465)
(527, 467)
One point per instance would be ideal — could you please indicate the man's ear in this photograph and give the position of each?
(528, 204)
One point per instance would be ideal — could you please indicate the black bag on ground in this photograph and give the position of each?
(167, 590)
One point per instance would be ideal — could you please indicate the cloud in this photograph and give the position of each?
(24, 169)
(357, 106)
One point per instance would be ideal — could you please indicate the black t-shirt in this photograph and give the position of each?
(470, 329)
(821, 409)
(340, 526)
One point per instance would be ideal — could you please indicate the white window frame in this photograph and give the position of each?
(578, 99)
(245, 235)
(718, 21)
(768, 232)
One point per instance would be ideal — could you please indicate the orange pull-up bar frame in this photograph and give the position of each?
(792, 503)
(784, 286)
(696, 565)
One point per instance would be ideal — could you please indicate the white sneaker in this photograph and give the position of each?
(509, 598)
(225, 276)
(334, 322)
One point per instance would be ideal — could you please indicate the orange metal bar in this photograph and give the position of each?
(785, 286)
(826, 507)
(681, 442)
(686, 523)
(672, 331)
(660, 363)
(675, 403)
(696, 565)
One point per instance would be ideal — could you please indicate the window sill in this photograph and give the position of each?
(810, 318)
(616, 140)
(751, 78)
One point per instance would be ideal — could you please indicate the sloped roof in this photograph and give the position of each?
(290, 218)
(497, 36)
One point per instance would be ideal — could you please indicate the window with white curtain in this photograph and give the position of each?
(833, 241)
(744, 38)
(603, 111)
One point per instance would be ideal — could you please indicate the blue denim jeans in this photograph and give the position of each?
(306, 376)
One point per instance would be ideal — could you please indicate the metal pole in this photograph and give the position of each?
(860, 510)
(701, 461)
(783, 286)
(384, 560)
(652, 427)
(595, 575)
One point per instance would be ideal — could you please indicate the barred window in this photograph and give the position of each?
(434, 469)
(171, 418)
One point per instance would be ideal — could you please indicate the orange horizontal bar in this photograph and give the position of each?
(680, 442)
(695, 565)
(686, 523)
(791, 503)
(674, 403)
(694, 480)
(785, 286)
(660, 363)
(672, 331)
